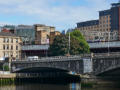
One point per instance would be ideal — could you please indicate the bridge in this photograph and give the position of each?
(103, 64)
(107, 65)
(76, 64)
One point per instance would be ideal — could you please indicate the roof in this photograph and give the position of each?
(7, 34)
(105, 12)
(115, 4)
(88, 23)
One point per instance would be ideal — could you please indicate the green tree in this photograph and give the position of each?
(78, 44)
(59, 46)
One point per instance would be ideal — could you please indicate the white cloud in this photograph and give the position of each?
(63, 14)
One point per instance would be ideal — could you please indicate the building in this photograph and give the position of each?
(10, 45)
(34, 50)
(106, 28)
(38, 34)
(26, 32)
(42, 33)
(52, 36)
(8, 28)
(89, 29)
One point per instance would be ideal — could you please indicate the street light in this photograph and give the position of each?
(108, 43)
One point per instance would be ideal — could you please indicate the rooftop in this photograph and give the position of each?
(115, 4)
(88, 23)
(7, 34)
(105, 12)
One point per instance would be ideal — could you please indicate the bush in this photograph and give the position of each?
(6, 67)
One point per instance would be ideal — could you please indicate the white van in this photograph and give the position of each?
(31, 58)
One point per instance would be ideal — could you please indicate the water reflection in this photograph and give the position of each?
(101, 88)
(42, 87)
(38, 86)
(12, 87)
(75, 86)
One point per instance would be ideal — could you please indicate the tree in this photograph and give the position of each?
(78, 44)
(59, 46)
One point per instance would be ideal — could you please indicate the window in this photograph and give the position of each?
(3, 47)
(7, 40)
(11, 47)
(7, 47)
(4, 40)
(16, 47)
(12, 40)
(16, 40)
(17, 55)
(11, 54)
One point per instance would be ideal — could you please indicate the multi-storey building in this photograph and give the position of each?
(8, 28)
(31, 34)
(89, 29)
(26, 32)
(106, 28)
(10, 46)
(42, 33)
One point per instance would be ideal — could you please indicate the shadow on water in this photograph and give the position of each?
(49, 78)
(50, 86)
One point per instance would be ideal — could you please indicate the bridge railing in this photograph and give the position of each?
(72, 57)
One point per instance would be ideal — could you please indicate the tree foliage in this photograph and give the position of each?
(59, 46)
(78, 44)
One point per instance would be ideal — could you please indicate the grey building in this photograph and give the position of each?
(26, 32)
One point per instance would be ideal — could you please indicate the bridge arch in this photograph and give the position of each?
(38, 70)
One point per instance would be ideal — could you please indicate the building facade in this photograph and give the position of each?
(26, 32)
(52, 36)
(106, 28)
(32, 34)
(42, 33)
(8, 28)
(10, 45)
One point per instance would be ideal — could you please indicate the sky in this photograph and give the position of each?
(63, 14)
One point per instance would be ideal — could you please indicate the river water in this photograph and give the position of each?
(38, 86)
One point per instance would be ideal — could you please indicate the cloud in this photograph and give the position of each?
(60, 13)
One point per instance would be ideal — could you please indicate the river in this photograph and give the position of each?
(38, 86)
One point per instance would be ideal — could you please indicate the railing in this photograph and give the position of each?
(57, 58)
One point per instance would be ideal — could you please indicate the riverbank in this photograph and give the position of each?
(7, 78)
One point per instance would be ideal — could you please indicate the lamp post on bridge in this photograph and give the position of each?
(108, 43)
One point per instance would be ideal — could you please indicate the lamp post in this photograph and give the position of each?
(108, 43)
